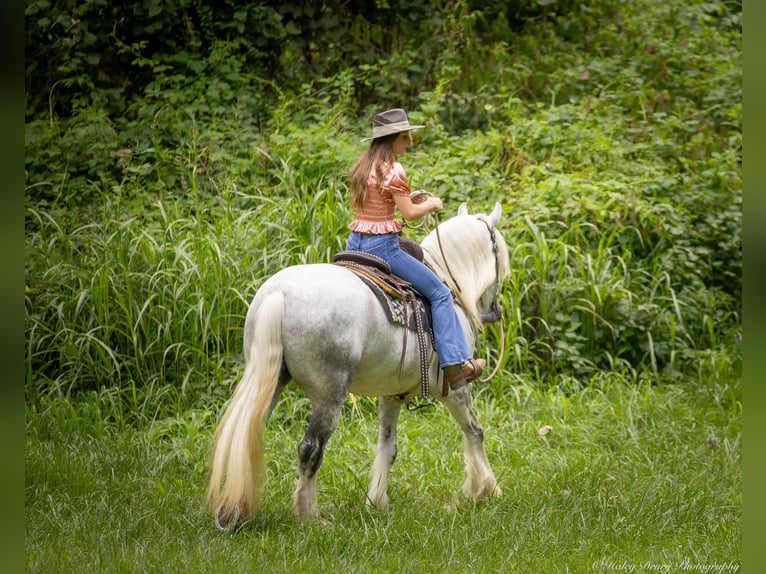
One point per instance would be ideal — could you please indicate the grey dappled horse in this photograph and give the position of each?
(320, 326)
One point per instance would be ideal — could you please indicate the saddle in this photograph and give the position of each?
(402, 303)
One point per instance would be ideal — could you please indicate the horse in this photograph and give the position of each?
(320, 326)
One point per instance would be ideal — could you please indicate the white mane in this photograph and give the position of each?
(467, 245)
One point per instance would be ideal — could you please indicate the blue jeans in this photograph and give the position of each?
(449, 339)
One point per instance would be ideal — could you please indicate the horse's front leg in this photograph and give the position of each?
(385, 455)
(480, 482)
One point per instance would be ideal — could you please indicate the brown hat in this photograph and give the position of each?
(390, 122)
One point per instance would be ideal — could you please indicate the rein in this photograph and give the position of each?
(423, 225)
(441, 249)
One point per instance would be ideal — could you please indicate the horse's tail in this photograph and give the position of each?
(238, 470)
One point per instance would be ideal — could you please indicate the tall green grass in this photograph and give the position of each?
(142, 289)
(158, 296)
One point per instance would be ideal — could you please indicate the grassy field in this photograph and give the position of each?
(612, 136)
(632, 473)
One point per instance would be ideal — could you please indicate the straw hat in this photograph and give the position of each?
(390, 122)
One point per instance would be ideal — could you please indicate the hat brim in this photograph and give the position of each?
(392, 132)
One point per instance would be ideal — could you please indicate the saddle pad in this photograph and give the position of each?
(402, 304)
(396, 309)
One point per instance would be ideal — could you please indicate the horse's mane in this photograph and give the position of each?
(466, 242)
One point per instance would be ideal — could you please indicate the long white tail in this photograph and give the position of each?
(238, 471)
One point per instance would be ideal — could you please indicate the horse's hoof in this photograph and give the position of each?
(226, 523)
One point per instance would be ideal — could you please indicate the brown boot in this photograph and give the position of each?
(460, 375)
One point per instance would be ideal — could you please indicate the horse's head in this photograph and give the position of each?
(470, 254)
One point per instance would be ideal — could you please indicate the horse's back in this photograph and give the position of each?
(314, 289)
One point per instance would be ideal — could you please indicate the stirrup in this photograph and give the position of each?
(477, 369)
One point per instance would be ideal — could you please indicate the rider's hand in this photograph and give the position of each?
(436, 204)
(419, 196)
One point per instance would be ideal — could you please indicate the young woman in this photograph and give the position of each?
(378, 188)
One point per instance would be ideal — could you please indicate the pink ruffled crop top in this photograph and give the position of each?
(378, 215)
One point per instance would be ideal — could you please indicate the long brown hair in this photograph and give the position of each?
(378, 159)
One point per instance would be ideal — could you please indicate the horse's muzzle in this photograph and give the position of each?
(493, 315)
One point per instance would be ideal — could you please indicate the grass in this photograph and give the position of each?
(631, 472)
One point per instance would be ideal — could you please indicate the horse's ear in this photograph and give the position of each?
(463, 209)
(494, 217)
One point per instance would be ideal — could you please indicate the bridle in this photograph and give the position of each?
(495, 313)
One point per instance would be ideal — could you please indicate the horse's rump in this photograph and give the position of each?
(333, 325)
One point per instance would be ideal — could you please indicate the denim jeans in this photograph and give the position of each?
(449, 339)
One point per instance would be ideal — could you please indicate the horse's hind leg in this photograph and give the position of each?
(385, 455)
(480, 482)
(324, 420)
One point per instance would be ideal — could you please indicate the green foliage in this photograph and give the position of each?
(90, 52)
(160, 297)
(616, 156)
(68, 162)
